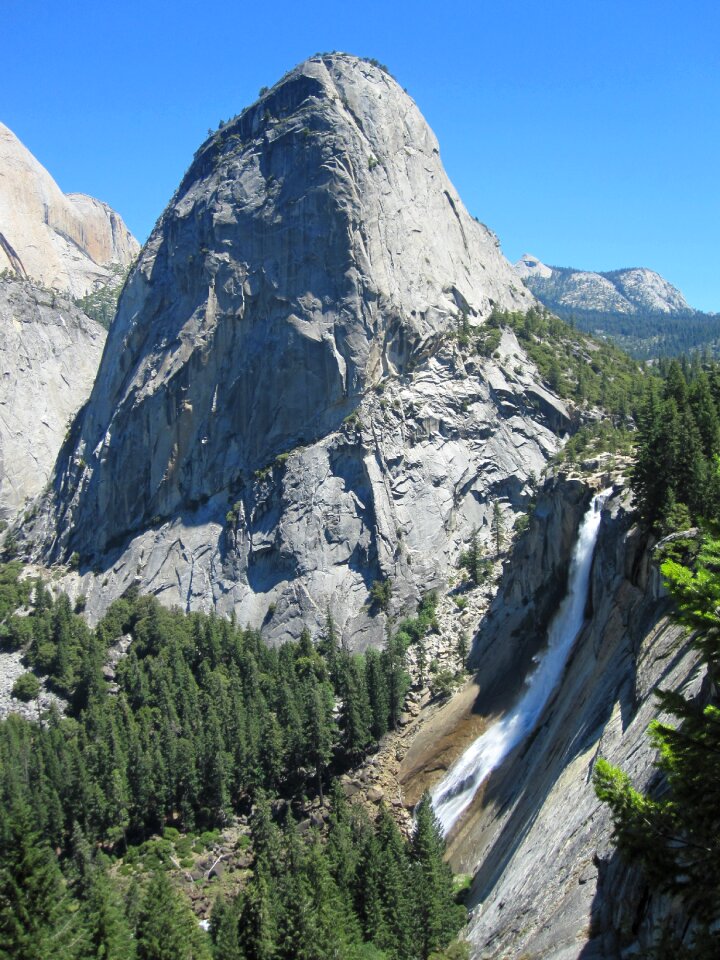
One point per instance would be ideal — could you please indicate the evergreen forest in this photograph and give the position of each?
(202, 721)
(649, 336)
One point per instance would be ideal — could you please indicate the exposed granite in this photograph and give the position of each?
(629, 291)
(299, 300)
(50, 354)
(537, 839)
(70, 242)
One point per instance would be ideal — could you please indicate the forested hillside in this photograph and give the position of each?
(648, 335)
(675, 479)
(200, 722)
(201, 725)
(635, 308)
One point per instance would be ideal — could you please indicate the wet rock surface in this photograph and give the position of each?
(536, 838)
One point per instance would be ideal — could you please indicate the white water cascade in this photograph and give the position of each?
(455, 792)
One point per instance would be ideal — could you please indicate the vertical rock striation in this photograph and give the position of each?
(50, 353)
(281, 415)
(547, 881)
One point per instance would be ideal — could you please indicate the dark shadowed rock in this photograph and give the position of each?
(282, 416)
(547, 881)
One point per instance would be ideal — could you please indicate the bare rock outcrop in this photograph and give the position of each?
(50, 353)
(547, 882)
(70, 242)
(283, 414)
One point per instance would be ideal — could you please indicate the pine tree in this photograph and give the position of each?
(463, 649)
(108, 931)
(258, 926)
(399, 930)
(396, 678)
(370, 894)
(167, 928)
(676, 387)
(475, 560)
(296, 900)
(378, 693)
(691, 468)
(705, 415)
(440, 917)
(342, 848)
(264, 834)
(471, 558)
(649, 477)
(215, 763)
(318, 729)
(421, 661)
(355, 713)
(335, 926)
(676, 836)
(37, 918)
(225, 929)
(497, 528)
(329, 647)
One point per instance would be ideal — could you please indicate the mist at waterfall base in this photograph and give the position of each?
(454, 794)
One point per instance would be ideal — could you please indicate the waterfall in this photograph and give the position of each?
(455, 792)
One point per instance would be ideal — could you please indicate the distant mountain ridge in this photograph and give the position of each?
(629, 290)
(636, 307)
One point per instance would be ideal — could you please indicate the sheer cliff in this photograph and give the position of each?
(70, 242)
(282, 414)
(547, 882)
(50, 352)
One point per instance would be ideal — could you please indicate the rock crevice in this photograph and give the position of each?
(287, 342)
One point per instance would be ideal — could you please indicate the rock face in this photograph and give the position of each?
(11, 668)
(533, 585)
(51, 352)
(633, 291)
(547, 881)
(282, 415)
(529, 266)
(70, 242)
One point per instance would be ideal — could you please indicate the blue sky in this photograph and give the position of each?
(587, 133)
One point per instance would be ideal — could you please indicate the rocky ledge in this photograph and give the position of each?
(285, 414)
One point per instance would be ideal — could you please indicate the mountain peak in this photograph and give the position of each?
(632, 290)
(530, 266)
(236, 450)
(67, 241)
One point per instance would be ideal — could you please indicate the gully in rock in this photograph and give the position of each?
(455, 792)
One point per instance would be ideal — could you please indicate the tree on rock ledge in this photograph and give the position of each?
(676, 837)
